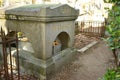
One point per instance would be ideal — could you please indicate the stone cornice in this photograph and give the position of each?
(42, 14)
(41, 19)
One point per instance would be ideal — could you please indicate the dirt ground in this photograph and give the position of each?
(88, 66)
(81, 40)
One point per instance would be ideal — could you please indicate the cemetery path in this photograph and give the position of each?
(89, 66)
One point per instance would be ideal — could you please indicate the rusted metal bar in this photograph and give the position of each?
(91, 27)
(8, 64)
(11, 68)
(81, 27)
(17, 57)
(4, 55)
(99, 28)
(103, 29)
(8, 41)
(94, 28)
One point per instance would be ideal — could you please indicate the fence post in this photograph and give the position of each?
(7, 56)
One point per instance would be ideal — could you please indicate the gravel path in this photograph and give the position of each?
(89, 66)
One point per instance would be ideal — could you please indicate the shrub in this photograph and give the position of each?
(111, 74)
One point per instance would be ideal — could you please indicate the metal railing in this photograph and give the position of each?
(8, 72)
(9, 58)
(92, 28)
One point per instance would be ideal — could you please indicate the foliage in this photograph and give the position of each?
(113, 27)
(111, 74)
(111, 1)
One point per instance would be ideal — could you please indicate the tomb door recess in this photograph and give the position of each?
(60, 43)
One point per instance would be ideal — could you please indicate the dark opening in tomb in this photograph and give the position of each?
(10, 35)
(60, 43)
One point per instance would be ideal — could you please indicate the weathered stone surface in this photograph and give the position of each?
(42, 25)
(44, 68)
(41, 12)
(40, 34)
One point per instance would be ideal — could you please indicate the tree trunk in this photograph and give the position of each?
(116, 57)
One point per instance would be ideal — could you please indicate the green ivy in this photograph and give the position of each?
(111, 1)
(111, 74)
(113, 27)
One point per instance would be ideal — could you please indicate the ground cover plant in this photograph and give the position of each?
(113, 29)
(111, 74)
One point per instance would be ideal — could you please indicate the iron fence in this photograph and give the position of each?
(92, 28)
(9, 63)
(7, 70)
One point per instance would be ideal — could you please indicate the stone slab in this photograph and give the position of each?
(87, 47)
(41, 12)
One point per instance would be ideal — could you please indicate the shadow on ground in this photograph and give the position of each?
(89, 66)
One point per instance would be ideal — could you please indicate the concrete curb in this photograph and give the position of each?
(82, 50)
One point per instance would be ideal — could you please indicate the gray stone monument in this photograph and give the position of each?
(50, 30)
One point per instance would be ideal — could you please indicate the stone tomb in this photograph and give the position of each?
(49, 29)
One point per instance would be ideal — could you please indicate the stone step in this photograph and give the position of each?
(82, 50)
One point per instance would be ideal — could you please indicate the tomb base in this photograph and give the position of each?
(44, 69)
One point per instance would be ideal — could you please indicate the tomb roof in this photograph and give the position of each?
(41, 12)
